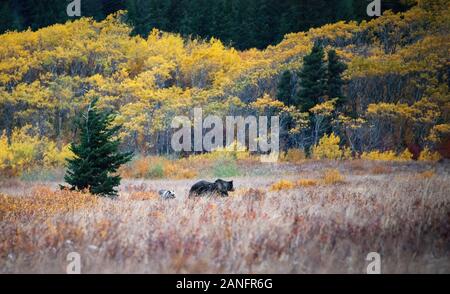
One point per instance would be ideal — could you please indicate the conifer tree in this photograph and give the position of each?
(334, 76)
(93, 8)
(343, 10)
(96, 153)
(312, 79)
(8, 17)
(284, 90)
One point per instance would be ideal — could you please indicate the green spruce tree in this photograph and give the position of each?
(97, 157)
(312, 79)
(284, 89)
(342, 10)
(334, 77)
(93, 8)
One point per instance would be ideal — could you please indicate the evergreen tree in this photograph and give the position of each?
(96, 154)
(218, 24)
(111, 6)
(243, 32)
(140, 16)
(334, 76)
(284, 90)
(285, 95)
(312, 79)
(264, 18)
(343, 10)
(42, 13)
(8, 17)
(93, 8)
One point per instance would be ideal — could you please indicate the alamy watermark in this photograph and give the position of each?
(374, 266)
(74, 263)
(74, 8)
(235, 131)
(374, 8)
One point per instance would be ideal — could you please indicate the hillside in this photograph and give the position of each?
(396, 83)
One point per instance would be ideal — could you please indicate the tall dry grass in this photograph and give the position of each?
(320, 228)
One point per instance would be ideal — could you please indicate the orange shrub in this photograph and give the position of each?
(158, 167)
(426, 174)
(177, 170)
(282, 185)
(306, 183)
(332, 176)
(294, 156)
(136, 169)
(143, 196)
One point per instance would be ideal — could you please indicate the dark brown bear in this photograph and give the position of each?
(204, 188)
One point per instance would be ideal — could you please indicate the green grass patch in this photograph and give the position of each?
(225, 169)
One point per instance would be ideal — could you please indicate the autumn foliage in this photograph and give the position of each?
(395, 88)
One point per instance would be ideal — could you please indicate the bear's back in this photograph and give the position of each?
(202, 187)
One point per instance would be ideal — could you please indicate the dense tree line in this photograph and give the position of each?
(241, 23)
(395, 85)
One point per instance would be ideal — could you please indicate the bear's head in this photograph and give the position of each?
(224, 186)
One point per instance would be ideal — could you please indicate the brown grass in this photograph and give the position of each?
(303, 229)
(44, 202)
(380, 169)
(253, 194)
(143, 196)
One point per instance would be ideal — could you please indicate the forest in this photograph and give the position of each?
(242, 24)
(374, 88)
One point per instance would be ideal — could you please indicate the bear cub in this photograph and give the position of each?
(204, 188)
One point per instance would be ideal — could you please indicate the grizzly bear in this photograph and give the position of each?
(204, 188)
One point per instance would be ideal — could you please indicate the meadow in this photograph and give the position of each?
(364, 134)
(310, 216)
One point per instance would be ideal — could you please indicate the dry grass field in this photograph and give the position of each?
(311, 217)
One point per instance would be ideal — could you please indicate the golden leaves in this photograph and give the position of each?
(427, 155)
(267, 102)
(328, 148)
(149, 81)
(326, 108)
(26, 150)
(439, 132)
(388, 155)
